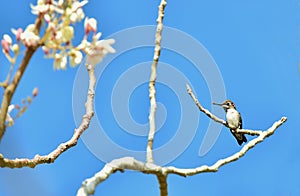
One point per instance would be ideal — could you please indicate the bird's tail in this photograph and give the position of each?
(240, 137)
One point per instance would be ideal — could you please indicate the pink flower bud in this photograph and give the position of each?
(18, 35)
(5, 46)
(90, 24)
(7, 38)
(46, 50)
(35, 92)
(17, 107)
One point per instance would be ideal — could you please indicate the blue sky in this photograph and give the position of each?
(255, 45)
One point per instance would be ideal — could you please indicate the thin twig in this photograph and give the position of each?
(51, 157)
(11, 68)
(152, 90)
(202, 109)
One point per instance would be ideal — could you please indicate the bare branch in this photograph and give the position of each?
(10, 72)
(250, 132)
(88, 186)
(215, 118)
(152, 90)
(11, 88)
(205, 111)
(261, 136)
(215, 167)
(51, 157)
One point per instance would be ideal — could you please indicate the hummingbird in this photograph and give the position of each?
(233, 120)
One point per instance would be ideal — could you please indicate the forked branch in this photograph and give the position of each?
(149, 167)
(129, 163)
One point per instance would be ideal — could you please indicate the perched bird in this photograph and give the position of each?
(233, 119)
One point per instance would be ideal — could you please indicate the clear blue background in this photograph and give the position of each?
(256, 46)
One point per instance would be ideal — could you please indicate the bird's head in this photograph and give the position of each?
(227, 104)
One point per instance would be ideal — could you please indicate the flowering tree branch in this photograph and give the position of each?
(56, 44)
(58, 17)
(152, 90)
(11, 88)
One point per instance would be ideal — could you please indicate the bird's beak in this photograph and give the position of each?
(220, 104)
(224, 106)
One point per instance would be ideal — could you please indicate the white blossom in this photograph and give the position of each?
(47, 18)
(76, 16)
(60, 61)
(65, 34)
(7, 38)
(29, 38)
(76, 5)
(96, 51)
(75, 57)
(40, 8)
(9, 119)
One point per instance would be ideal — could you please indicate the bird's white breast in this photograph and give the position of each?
(233, 118)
